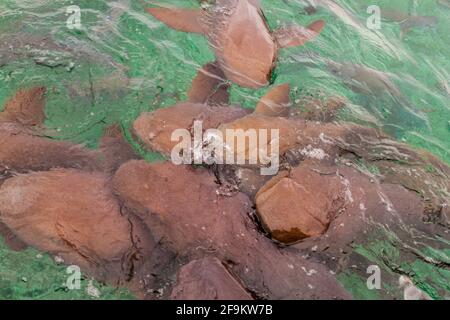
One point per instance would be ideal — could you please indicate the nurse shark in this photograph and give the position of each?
(246, 50)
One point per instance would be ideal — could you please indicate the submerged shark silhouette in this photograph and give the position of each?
(245, 48)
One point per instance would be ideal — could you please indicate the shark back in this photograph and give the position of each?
(244, 46)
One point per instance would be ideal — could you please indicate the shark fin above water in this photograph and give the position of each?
(295, 35)
(276, 102)
(186, 20)
(209, 86)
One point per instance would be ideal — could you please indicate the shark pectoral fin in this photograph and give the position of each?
(209, 86)
(276, 102)
(187, 20)
(26, 107)
(316, 26)
(294, 36)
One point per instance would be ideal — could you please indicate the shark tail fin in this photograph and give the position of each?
(295, 35)
(209, 86)
(276, 102)
(186, 20)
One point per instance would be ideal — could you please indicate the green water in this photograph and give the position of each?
(123, 62)
(32, 275)
(435, 281)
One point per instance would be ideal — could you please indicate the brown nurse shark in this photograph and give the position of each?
(245, 48)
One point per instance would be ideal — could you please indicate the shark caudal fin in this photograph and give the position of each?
(276, 102)
(186, 20)
(26, 107)
(209, 86)
(294, 36)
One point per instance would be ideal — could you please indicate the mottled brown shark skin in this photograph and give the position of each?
(74, 215)
(58, 212)
(193, 221)
(246, 50)
(23, 144)
(26, 107)
(154, 129)
(55, 196)
(397, 162)
(24, 148)
(207, 279)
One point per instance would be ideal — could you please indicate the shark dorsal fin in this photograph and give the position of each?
(276, 102)
(26, 107)
(186, 20)
(295, 35)
(209, 86)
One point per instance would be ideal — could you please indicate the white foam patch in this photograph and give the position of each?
(314, 153)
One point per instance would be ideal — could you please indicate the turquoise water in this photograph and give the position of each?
(123, 62)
